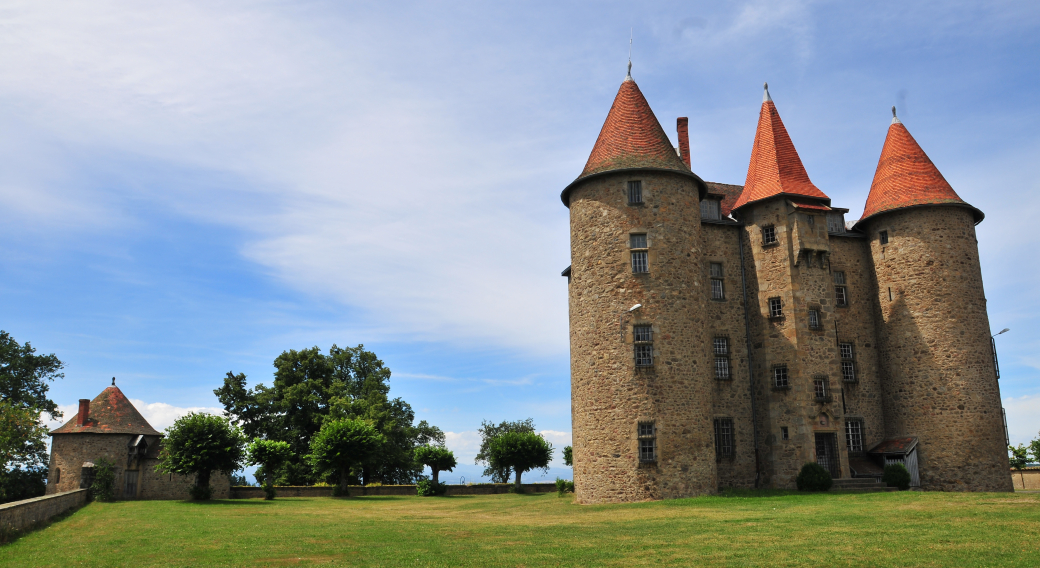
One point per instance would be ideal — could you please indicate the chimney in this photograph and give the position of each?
(84, 412)
(683, 126)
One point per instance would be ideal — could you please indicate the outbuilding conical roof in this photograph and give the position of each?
(110, 413)
(775, 168)
(631, 138)
(906, 177)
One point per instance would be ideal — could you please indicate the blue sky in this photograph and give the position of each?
(190, 188)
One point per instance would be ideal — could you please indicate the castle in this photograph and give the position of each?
(110, 427)
(725, 335)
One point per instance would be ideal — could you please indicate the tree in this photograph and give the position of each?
(1019, 458)
(199, 444)
(568, 456)
(1034, 449)
(342, 445)
(24, 378)
(499, 473)
(437, 457)
(310, 388)
(270, 455)
(521, 451)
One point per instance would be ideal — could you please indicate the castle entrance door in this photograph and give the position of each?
(827, 453)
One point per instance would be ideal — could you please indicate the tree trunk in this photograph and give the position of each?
(269, 478)
(435, 472)
(343, 480)
(203, 479)
(518, 472)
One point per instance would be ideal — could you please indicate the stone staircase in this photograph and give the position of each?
(860, 485)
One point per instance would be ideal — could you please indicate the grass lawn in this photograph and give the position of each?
(738, 529)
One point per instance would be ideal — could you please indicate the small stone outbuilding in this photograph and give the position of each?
(110, 427)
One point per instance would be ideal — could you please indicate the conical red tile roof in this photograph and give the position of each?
(110, 413)
(775, 167)
(631, 138)
(906, 177)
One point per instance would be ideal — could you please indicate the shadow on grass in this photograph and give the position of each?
(224, 502)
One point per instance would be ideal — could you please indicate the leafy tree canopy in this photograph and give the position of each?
(568, 455)
(24, 376)
(521, 451)
(1018, 457)
(270, 455)
(438, 458)
(311, 387)
(199, 444)
(344, 444)
(498, 472)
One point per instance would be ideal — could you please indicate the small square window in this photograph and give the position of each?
(768, 235)
(846, 350)
(639, 262)
(776, 309)
(783, 433)
(780, 377)
(721, 346)
(643, 333)
(814, 319)
(883, 237)
(646, 432)
(635, 192)
(711, 209)
(723, 438)
(644, 355)
(835, 222)
(820, 388)
(637, 241)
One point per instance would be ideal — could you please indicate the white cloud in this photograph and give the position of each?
(161, 415)
(1023, 418)
(465, 445)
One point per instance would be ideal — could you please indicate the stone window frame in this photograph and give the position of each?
(717, 277)
(781, 377)
(634, 193)
(784, 433)
(646, 438)
(883, 237)
(769, 236)
(721, 351)
(640, 252)
(841, 289)
(643, 345)
(816, 325)
(847, 353)
(725, 438)
(775, 308)
(854, 427)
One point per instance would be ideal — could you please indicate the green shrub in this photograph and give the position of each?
(814, 477)
(104, 486)
(269, 492)
(570, 486)
(200, 492)
(896, 475)
(563, 486)
(427, 488)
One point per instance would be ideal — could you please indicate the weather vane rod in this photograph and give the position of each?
(630, 35)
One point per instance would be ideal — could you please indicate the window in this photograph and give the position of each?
(811, 219)
(854, 435)
(768, 235)
(647, 435)
(638, 244)
(883, 237)
(723, 438)
(814, 319)
(848, 364)
(820, 388)
(841, 296)
(643, 335)
(783, 433)
(720, 345)
(711, 209)
(780, 377)
(776, 309)
(57, 475)
(835, 222)
(718, 292)
(635, 193)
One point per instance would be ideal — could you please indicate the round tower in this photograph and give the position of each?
(939, 382)
(641, 419)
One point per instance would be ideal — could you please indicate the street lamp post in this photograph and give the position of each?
(621, 319)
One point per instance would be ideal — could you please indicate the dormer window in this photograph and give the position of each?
(711, 209)
(835, 222)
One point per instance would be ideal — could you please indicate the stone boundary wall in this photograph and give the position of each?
(1026, 480)
(359, 491)
(25, 514)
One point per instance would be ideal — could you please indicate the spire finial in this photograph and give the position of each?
(895, 119)
(765, 96)
(113, 381)
(630, 35)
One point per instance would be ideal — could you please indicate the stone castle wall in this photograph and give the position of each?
(70, 451)
(609, 395)
(940, 384)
